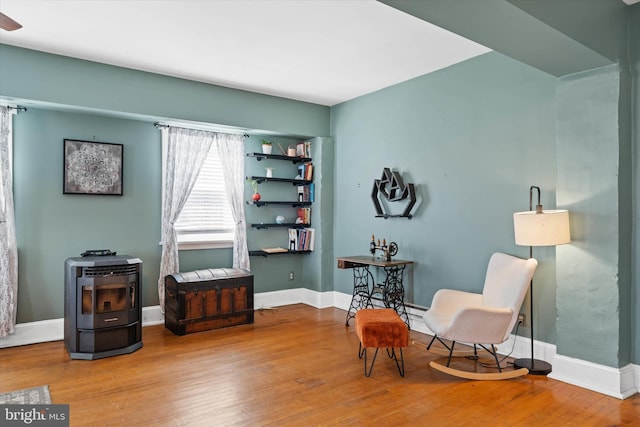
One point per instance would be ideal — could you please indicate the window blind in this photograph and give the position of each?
(207, 210)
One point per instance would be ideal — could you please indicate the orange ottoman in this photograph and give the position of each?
(381, 327)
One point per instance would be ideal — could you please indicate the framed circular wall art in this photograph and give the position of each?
(92, 168)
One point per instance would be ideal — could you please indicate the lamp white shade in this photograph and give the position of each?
(548, 228)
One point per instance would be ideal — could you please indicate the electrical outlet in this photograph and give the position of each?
(291, 275)
(521, 319)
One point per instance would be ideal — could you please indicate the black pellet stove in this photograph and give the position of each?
(102, 307)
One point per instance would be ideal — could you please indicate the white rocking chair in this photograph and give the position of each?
(481, 319)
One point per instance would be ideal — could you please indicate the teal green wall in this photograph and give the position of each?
(90, 86)
(472, 137)
(593, 284)
(69, 98)
(319, 268)
(51, 226)
(634, 49)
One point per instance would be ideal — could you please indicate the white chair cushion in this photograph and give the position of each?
(446, 304)
(483, 318)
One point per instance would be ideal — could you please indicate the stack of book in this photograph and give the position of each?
(302, 239)
(306, 193)
(303, 149)
(304, 216)
(305, 171)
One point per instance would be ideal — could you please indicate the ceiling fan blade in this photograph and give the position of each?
(8, 24)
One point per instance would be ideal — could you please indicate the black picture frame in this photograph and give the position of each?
(92, 167)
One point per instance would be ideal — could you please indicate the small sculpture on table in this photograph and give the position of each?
(387, 250)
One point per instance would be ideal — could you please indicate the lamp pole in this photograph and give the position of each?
(535, 367)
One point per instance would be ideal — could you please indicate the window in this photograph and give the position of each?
(206, 220)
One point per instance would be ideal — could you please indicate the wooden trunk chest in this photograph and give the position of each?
(208, 299)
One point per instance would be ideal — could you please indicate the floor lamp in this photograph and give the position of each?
(539, 228)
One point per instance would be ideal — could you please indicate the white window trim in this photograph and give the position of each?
(196, 240)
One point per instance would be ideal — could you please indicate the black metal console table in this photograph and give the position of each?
(364, 285)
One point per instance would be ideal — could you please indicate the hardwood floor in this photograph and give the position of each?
(295, 366)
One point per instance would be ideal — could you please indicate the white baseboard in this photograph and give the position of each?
(520, 347)
(293, 296)
(35, 332)
(616, 382)
(152, 315)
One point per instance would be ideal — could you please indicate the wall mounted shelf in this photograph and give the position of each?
(294, 160)
(275, 225)
(281, 203)
(385, 216)
(265, 254)
(298, 233)
(296, 182)
(391, 188)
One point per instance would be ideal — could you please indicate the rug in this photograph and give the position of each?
(28, 396)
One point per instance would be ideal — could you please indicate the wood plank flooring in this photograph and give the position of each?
(296, 366)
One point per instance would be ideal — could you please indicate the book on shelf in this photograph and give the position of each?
(306, 193)
(300, 149)
(305, 171)
(310, 235)
(306, 239)
(304, 216)
(303, 149)
(312, 238)
(308, 171)
(302, 239)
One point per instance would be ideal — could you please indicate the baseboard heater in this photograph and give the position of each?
(406, 304)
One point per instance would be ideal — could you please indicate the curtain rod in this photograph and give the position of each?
(18, 108)
(165, 126)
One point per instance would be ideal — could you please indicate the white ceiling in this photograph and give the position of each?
(319, 51)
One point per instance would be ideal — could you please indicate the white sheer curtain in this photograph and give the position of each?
(186, 152)
(231, 152)
(8, 246)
